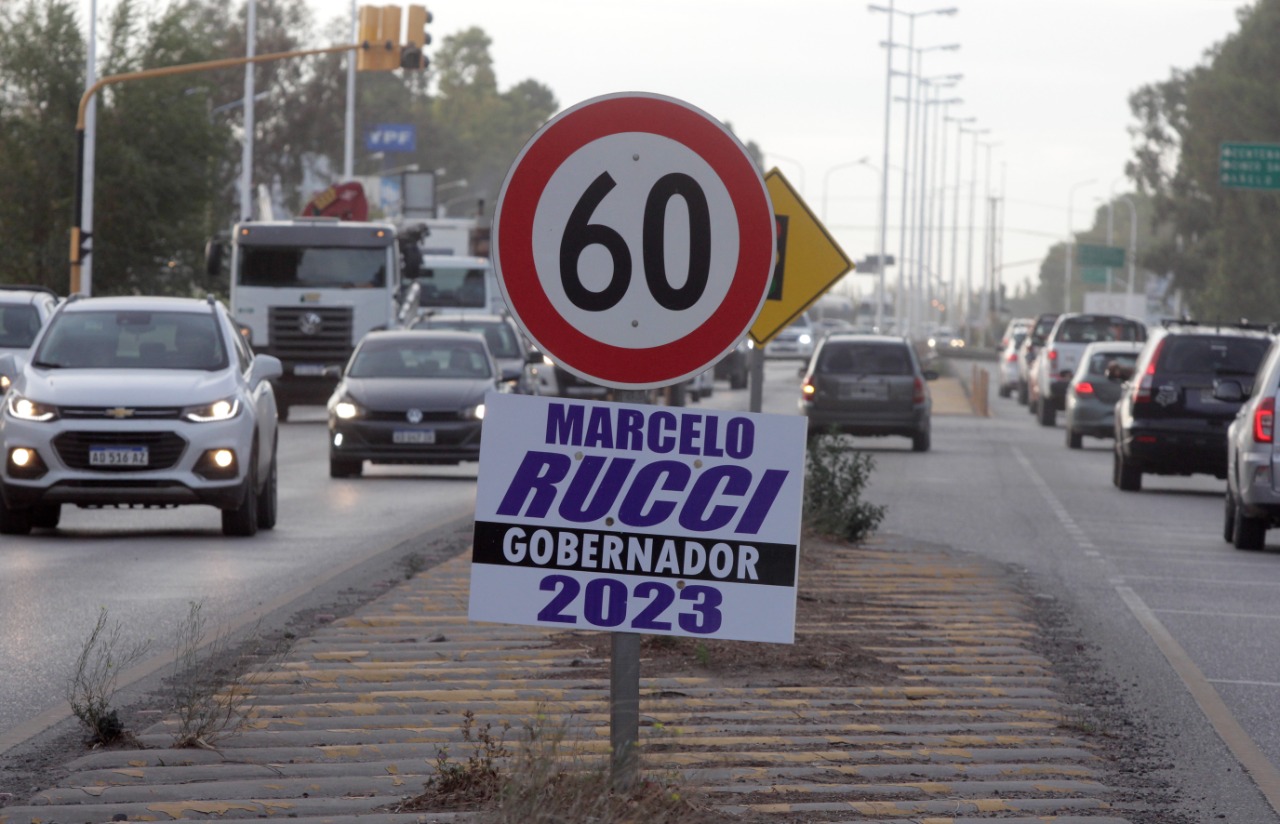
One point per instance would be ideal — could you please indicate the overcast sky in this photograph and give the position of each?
(1050, 79)
(806, 81)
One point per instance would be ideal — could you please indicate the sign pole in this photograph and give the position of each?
(624, 680)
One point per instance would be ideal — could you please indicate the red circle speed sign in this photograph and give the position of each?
(633, 240)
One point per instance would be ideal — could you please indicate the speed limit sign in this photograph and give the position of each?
(634, 240)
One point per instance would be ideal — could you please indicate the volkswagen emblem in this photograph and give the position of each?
(413, 416)
(309, 323)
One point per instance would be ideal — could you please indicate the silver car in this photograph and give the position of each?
(1094, 389)
(1253, 488)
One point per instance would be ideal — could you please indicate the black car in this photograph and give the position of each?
(411, 397)
(1171, 419)
(868, 385)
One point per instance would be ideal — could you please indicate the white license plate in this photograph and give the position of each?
(118, 456)
(418, 436)
(865, 392)
(309, 369)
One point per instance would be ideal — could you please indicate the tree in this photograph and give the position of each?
(1222, 244)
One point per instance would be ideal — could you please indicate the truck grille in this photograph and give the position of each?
(163, 448)
(311, 333)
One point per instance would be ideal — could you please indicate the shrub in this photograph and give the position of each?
(836, 474)
(92, 685)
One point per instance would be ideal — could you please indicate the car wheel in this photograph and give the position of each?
(46, 516)
(1022, 393)
(282, 411)
(1046, 414)
(242, 521)
(920, 441)
(1247, 533)
(1229, 518)
(268, 499)
(1005, 391)
(1074, 439)
(14, 521)
(344, 468)
(1127, 476)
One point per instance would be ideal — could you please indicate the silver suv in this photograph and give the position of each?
(1058, 359)
(138, 401)
(24, 310)
(1253, 488)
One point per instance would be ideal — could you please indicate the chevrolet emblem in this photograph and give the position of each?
(120, 412)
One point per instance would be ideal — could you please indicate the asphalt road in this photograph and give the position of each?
(145, 567)
(1179, 621)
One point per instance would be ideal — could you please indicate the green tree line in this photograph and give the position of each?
(168, 149)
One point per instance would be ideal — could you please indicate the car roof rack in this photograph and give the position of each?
(1242, 323)
(28, 287)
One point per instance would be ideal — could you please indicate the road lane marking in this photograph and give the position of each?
(1250, 756)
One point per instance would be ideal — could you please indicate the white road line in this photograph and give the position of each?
(1214, 614)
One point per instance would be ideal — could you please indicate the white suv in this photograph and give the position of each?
(1071, 335)
(145, 401)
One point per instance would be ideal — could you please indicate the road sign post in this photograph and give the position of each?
(633, 241)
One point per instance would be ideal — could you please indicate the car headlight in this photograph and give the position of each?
(474, 413)
(4, 383)
(805, 340)
(346, 409)
(220, 410)
(29, 410)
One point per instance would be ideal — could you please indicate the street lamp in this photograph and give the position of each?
(1066, 268)
(888, 102)
(918, 283)
(952, 301)
(826, 178)
(973, 193)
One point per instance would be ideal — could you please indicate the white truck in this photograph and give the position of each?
(306, 290)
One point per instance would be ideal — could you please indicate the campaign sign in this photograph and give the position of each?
(636, 518)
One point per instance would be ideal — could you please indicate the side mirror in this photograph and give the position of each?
(213, 254)
(1228, 390)
(333, 373)
(265, 368)
(533, 358)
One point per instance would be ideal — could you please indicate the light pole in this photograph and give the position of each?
(933, 223)
(921, 256)
(952, 301)
(988, 240)
(884, 166)
(973, 193)
(1066, 268)
(826, 179)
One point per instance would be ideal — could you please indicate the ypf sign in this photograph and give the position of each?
(634, 240)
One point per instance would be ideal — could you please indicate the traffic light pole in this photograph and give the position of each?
(79, 238)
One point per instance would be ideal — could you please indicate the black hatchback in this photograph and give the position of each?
(868, 385)
(1170, 419)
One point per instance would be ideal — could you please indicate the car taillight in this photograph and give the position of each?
(1264, 421)
(1142, 393)
(807, 391)
(917, 394)
(1083, 388)
(1052, 354)
(1013, 357)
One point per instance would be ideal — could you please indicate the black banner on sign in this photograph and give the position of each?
(779, 265)
(617, 553)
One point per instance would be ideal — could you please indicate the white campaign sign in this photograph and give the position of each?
(634, 518)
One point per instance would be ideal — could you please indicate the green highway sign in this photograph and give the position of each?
(1249, 165)
(1093, 274)
(1108, 257)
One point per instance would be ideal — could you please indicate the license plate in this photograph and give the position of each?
(309, 369)
(118, 456)
(416, 436)
(865, 392)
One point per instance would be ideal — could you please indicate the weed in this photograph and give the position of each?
(836, 475)
(478, 780)
(703, 654)
(93, 683)
(209, 704)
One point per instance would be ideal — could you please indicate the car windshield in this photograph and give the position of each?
(19, 323)
(1212, 355)
(1099, 362)
(318, 267)
(502, 339)
(1089, 330)
(864, 359)
(408, 358)
(452, 286)
(129, 339)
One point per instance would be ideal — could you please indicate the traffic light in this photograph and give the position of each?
(414, 56)
(379, 39)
